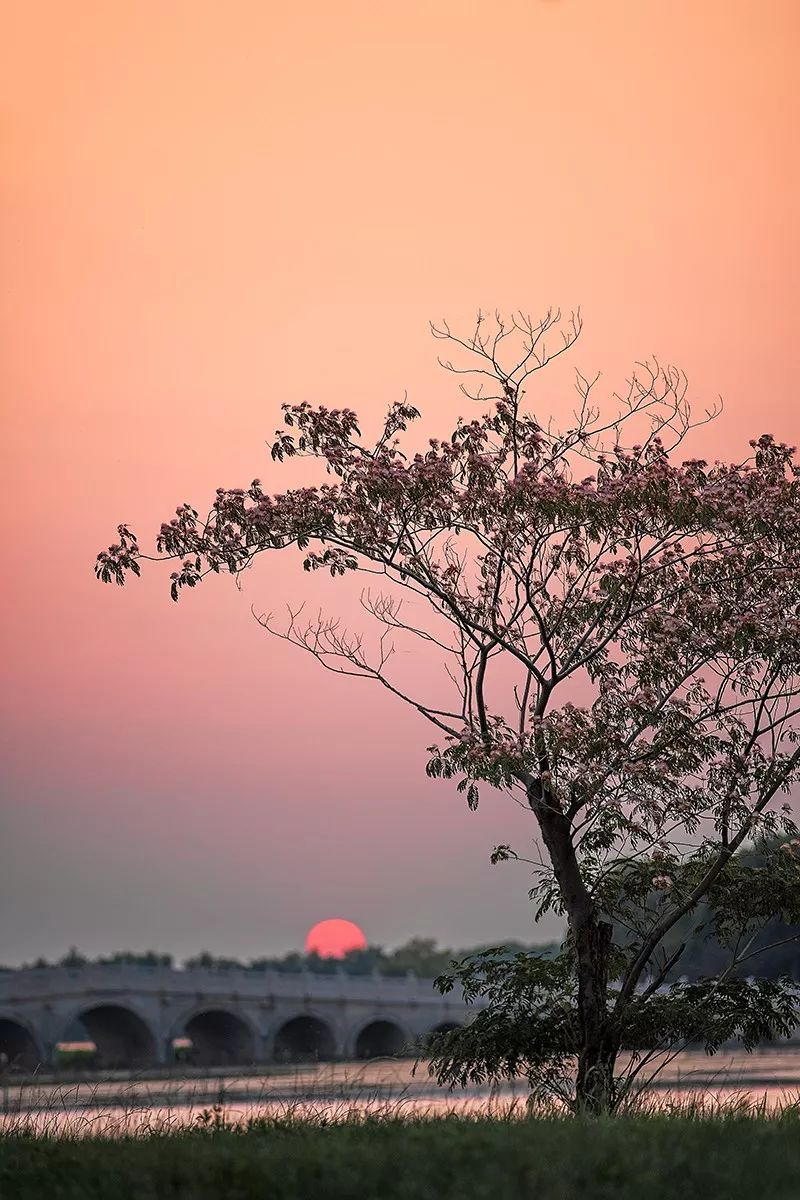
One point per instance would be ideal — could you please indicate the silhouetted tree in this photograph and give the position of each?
(620, 629)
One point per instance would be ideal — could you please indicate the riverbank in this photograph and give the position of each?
(124, 1104)
(630, 1158)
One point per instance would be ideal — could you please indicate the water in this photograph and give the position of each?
(116, 1106)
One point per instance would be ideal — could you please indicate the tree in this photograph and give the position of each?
(773, 950)
(620, 633)
(73, 959)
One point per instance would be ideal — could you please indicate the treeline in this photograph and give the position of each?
(704, 956)
(73, 959)
(422, 956)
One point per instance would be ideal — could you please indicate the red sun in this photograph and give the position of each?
(332, 939)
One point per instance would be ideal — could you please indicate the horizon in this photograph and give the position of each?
(180, 963)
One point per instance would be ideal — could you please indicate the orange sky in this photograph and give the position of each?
(212, 208)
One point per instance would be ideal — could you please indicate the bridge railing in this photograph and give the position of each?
(40, 982)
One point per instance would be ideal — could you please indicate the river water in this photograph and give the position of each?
(117, 1105)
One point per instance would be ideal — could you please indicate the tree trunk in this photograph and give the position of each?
(599, 1044)
(594, 1087)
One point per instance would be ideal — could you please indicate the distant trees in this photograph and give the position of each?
(74, 960)
(422, 956)
(149, 958)
(619, 629)
(776, 953)
(419, 955)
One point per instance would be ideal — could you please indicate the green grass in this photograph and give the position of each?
(738, 1157)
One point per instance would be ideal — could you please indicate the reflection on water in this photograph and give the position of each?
(384, 1086)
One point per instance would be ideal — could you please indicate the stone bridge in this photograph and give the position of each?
(136, 1014)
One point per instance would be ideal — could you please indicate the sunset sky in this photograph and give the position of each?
(212, 208)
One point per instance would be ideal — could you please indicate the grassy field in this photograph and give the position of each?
(631, 1158)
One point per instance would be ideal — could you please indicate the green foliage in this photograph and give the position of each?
(527, 1029)
(530, 1027)
(748, 923)
(711, 1012)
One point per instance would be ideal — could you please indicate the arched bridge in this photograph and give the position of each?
(136, 1016)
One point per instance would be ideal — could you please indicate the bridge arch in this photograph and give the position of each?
(380, 1037)
(305, 1037)
(221, 1036)
(123, 1037)
(19, 1047)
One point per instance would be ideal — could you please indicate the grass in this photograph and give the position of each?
(735, 1152)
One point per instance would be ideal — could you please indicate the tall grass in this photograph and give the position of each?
(343, 1138)
(736, 1150)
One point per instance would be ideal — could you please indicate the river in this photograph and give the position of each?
(128, 1105)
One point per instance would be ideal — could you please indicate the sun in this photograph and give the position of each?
(333, 938)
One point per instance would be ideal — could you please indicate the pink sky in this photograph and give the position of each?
(209, 209)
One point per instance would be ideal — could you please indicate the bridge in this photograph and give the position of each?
(136, 1016)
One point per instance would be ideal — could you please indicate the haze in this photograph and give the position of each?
(211, 209)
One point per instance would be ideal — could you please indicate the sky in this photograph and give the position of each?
(210, 209)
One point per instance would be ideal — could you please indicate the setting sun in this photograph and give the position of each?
(333, 938)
